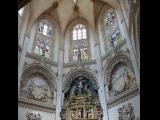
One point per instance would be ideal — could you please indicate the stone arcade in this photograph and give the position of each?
(78, 60)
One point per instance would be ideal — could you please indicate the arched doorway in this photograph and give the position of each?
(81, 100)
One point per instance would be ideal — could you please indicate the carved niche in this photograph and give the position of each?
(33, 116)
(126, 112)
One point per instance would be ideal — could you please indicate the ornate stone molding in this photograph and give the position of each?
(33, 116)
(124, 96)
(116, 48)
(38, 58)
(90, 62)
(78, 73)
(35, 105)
(119, 57)
(126, 112)
(32, 69)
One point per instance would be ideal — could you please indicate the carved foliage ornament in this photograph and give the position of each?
(33, 116)
(126, 112)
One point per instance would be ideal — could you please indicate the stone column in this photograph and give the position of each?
(59, 84)
(22, 59)
(101, 91)
(125, 34)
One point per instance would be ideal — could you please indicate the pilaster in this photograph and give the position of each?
(101, 91)
(22, 59)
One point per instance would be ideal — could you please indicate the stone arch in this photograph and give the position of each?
(31, 69)
(113, 61)
(72, 75)
(55, 38)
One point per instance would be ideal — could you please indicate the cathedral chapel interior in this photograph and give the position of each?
(78, 60)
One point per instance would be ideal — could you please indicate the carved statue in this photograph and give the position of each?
(73, 115)
(87, 91)
(73, 91)
(80, 111)
(120, 81)
(89, 114)
(80, 88)
(31, 116)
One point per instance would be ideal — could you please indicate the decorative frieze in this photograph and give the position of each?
(73, 64)
(124, 96)
(41, 60)
(33, 116)
(36, 105)
(79, 74)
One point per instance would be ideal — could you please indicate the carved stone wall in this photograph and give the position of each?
(81, 100)
(32, 114)
(119, 75)
(126, 112)
(132, 98)
(37, 89)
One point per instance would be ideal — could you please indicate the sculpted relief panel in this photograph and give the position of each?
(121, 79)
(37, 88)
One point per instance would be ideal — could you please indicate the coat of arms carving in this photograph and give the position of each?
(32, 116)
(126, 112)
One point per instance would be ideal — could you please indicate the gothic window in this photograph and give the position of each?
(43, 39)
(20, 12)
(111, 28)
(80, 43)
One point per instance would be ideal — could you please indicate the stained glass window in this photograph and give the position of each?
(80, 45)
(79, 32)
(45, 28)
(109, 18)
(112, 32)
(43, 39)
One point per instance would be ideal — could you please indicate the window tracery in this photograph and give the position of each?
(111, 29)
(80, 43)
(43, 39)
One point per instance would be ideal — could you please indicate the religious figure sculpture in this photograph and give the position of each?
(120, 81)
(79, 113)
(73, 115)
(87, 91)
(80, 88)
(89, 114)
(73, 91)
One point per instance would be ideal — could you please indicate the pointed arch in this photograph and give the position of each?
(72, 75)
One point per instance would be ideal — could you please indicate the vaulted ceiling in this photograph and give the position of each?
(63, 11)
(22, 3)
